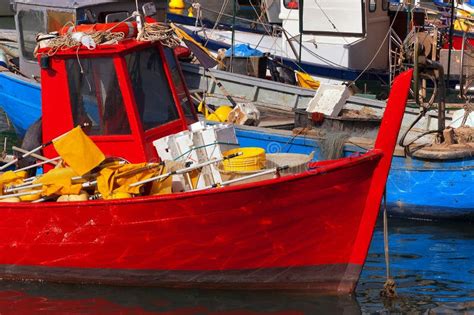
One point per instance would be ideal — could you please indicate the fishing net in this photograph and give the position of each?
(332, 145)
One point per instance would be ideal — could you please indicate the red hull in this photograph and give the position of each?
(215, 238)
(306, 231)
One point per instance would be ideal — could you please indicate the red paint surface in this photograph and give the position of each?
(457, 42)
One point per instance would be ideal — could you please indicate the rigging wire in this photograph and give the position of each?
(219, 17)
(380, 47)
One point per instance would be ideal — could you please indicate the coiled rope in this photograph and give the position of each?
(154, 32)
(66, 41)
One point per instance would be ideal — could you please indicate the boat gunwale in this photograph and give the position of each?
(328, 167)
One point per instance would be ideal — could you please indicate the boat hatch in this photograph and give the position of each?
(126, 95)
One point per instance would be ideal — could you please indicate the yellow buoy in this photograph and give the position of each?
(252, 159)
(83, 196)
(220, 115)
(190, 12)
(11, 199)
(176, 4)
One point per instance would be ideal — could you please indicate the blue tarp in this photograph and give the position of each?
(244, 50)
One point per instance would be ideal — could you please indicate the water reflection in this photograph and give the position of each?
(36, 297)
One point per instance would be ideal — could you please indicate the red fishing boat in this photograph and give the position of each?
(307, 231)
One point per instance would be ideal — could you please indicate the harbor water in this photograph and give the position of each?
(432, 264)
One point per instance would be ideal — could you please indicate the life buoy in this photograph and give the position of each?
(128, 28)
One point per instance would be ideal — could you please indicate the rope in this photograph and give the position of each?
(389, 287)
(66, 41)
(219, 17)
(381, 45)
(163, 33)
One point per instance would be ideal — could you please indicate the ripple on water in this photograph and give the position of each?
(430, 262)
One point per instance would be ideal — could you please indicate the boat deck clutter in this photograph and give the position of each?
(199, 158)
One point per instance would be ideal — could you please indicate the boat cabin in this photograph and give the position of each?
(340, 33)
(45, 16)
(126, 95)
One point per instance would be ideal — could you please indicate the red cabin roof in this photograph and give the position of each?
(128, 94)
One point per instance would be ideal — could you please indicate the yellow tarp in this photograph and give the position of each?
(79, 151)
(307, 81)
(58, 181)
(11, 178)
(117, 179)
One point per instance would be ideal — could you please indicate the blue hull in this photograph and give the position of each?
(21, 100)
(415, 188)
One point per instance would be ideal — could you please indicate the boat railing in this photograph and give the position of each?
(466, 80)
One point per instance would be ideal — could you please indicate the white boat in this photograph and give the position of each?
(341, 38)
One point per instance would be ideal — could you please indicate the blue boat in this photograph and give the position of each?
(20, 99)
(415, 188)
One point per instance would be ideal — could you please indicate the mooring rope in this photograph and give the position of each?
(389, 287)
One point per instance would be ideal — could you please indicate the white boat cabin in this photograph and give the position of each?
(344, 33)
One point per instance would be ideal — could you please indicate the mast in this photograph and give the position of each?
(451, 30)
(234, 13)
(300, 11)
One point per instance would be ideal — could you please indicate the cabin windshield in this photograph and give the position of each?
(155, 103)
(96, 98)
(180, 86)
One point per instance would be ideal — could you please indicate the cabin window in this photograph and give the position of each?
(151, 89)
(385, 4)
(179, 85)
(31, 22)
(291, 4)
(372, 5)
(96, 98)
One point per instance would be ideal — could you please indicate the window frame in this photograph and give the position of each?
(20, 18)
(156, 131)
(99, 101)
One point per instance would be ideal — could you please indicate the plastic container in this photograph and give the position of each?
(252, 159)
